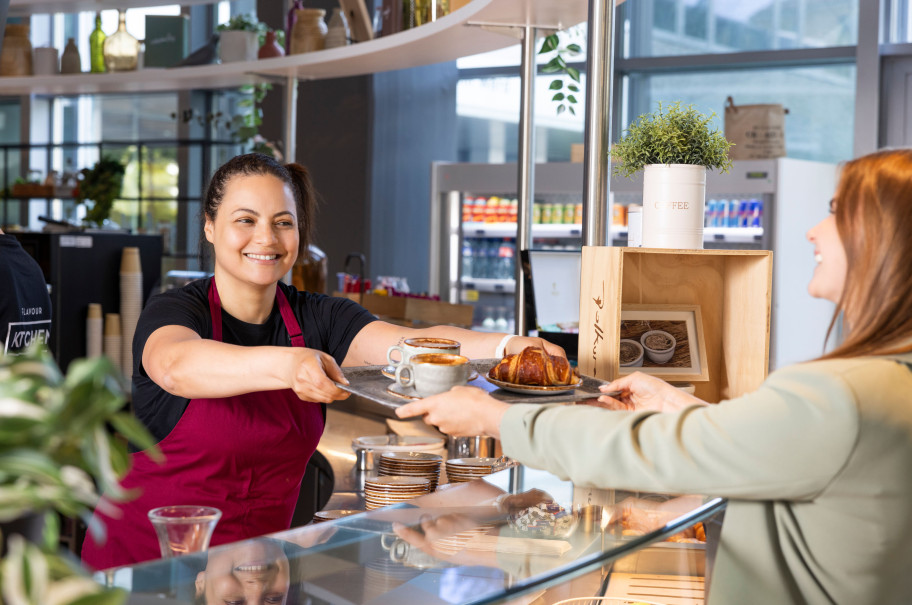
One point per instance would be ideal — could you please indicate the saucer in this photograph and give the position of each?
(390, 372)
(403, 392)
(535, 389)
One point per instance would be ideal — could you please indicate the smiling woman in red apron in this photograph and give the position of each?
(229, 372)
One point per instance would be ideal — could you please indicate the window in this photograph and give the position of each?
(820, 100)
(657, 28)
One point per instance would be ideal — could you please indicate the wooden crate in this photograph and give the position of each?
(732, 287)
(417, 311)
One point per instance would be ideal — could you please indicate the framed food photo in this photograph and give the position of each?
(663, 340)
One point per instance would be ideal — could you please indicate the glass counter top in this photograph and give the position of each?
(491, 540)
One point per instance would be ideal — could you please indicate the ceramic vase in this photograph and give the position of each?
(45, 61)
(337, 33)
(674, 196)
(290, 19)
(16, 57)
(270, 47)
(309, 32)
(71, 62)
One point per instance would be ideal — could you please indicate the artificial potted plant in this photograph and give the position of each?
(240, 38)
(673, 147)
(55, 448)
(102, 184)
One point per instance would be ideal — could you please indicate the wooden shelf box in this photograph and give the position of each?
(733, 289)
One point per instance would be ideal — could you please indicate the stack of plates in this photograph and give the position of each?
(460, 470)
(383, 491)
(457, 542)
(331, 515)
(412, 464)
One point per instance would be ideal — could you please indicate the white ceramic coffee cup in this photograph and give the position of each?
(417, 346)
(664, 354)
(433, 373)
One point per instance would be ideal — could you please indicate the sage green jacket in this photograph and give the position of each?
(817, 464)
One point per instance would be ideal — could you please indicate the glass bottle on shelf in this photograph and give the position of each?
(96, 47)
(121, 50)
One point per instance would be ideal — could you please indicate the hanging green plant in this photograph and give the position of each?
(674, 134)
(102, 185)
(564, 96)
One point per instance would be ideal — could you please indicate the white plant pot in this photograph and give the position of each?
(674, 196)
(238, 46)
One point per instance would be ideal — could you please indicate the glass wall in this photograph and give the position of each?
(656, 28)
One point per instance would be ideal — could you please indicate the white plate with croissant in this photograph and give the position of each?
(534, 372)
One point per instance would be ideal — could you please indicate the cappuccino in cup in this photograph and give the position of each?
(417, 346)
(433, 373)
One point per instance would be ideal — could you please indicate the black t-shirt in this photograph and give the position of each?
(328, 324)
(25, 306)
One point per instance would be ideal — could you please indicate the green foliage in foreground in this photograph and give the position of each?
(674, 134)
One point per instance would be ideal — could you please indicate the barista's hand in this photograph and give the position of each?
(431, 529)
(640, 391)
(516, 345)
(312, 374)
(461, 411)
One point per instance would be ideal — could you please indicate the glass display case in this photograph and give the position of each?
(491, 540)
(758, 205)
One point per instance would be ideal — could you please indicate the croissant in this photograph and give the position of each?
(533, 366)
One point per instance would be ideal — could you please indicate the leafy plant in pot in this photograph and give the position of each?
(673, 147)
(56, 451)
(102, 185)
(239, 38)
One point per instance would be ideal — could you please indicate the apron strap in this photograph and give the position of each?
(288, 316)
(291, 322)
(215, 309)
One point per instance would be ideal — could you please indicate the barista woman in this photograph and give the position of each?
(230, 372)
(815, 462)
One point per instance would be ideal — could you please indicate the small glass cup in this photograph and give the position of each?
(183, 529)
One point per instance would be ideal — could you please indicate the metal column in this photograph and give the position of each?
(526, 165)
(599, 84)
(291, 117)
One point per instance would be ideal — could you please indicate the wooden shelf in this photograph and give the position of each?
(733, 289)
(480, 26)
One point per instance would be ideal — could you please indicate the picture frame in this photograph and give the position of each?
(678, 351)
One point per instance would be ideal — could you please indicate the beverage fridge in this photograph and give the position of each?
(759, 204)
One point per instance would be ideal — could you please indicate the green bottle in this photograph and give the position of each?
(96, 47)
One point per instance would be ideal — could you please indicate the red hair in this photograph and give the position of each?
(873, 210)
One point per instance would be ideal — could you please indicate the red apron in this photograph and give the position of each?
(244, 455)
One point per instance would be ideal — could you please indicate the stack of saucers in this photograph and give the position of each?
(332, 515)
(411, 464)
(457, 542)
(383, 491)
(460, 470)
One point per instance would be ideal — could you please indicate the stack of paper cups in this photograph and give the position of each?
(112, 338)
(94, 324)
(130, 303)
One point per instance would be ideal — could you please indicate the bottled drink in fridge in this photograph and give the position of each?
(467, 258)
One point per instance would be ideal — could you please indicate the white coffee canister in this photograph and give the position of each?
(674, 196)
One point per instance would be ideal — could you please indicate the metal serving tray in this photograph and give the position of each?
(370, 383)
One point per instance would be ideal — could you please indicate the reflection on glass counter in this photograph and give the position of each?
(515, 533)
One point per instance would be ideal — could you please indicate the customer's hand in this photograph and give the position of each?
(461, 411)
(639, 391)
(311, 375)
(516, 345)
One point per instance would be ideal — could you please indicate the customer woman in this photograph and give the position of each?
(229, 372)
(816, 462)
